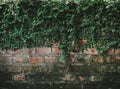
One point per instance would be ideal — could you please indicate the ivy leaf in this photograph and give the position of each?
(62, 59)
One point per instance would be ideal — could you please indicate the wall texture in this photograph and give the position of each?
(43, 65)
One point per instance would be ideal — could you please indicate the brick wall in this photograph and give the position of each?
(42, 64)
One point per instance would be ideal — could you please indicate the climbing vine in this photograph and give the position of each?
(37, 23)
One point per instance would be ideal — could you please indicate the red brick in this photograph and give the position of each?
(43, 50)
(36, 60)
(55, 50)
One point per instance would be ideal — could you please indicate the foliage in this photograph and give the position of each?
(31, 23)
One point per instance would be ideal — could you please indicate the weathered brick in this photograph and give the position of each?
(111, 51)
(22, 51)
(108, 59)
(51, 59)
(34, 69)
(36, 60)
(20, 58)
(19, 77)
(11, 52)
(43, 50)
(79, 58)
(117, 53)
(26, 68)
(68, 77)
(97, 59)
(31, 68)
(18, 51)
(55, 50)
(5, 59)
(113, 59)
(91, 51)
(17, 59)
(14, 68)
(79, 68)
(32, 50)
(117, 58)
(60, 67)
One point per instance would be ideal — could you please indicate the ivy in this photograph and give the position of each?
(37, 23)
